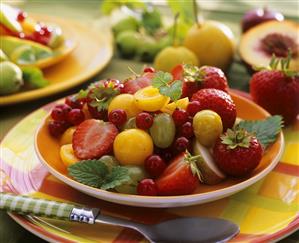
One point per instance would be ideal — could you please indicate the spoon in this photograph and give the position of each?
(185, 229)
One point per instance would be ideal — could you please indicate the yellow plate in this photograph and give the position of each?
(48, 148)
(93, 52)
(266, 211)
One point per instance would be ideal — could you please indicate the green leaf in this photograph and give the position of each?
(95, 173)
(34, 77)
(161, 79)
(174, 90)
(266, 131)
(117, 177)
(89, 172)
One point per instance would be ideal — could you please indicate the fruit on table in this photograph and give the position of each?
(209, 172)
(147, 49)
(3, 57)
(8, 18)
(218, 101)
(132, 147)
(237, 152)
(125, 102)
(154, 165)
(272, 37)
(67, 155)
(14, 48)
(180, 177)
(150, 99)
(129, 23)
(136, 174)
(56, 37)
(171, 56)
(67, 136)
(277, 90)
(126, 42)
(257, 16)
(117, 117)
(131, 123)
(11, 78)
(163, 130)
(207, 127)
(144, 120)
(200, 39)
(93, 139)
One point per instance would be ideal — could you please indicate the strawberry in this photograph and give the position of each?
(180, 177)
(99, 95)
(237, 152)
(277, 90)
(131, 85)
(195, 78)
(93, 138)
(218, 101)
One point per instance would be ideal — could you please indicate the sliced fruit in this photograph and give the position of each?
(207, 127)
(132, 85)
(210, 173)
(3, 57)
(67, 136)
(11, 78)
(93, 139)
(125, 102)
(179, 178)
(8, 17)
(67, 155)
(10, 46)
(132, 147)
(272, 37)
(181, 104)
(150, 99)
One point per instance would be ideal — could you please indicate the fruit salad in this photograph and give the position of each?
(158, 133)
(24, 42)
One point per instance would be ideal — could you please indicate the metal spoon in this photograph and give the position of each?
(188, 229)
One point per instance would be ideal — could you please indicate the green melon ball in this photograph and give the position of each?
(11, 78)
(127, 42)
(129, 23)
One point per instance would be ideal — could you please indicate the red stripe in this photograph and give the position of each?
(288, 169)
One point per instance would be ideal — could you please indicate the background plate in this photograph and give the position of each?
(267, 210)
(92, 53)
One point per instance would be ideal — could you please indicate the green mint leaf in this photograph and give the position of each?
(34, 77)
(266, 131)
(89, 172)
(118, 176)
(174, 90)
(161, 79)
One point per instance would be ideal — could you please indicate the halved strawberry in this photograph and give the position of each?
(134, 84)
(93, 138)
(181, 177)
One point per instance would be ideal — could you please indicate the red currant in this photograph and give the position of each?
(73, 102)
(117, 117)
(149, 70)
(147, 187)
(154, 165)
(181, 144)
(165, 154)
(75, 116)
(45, 31)
(56, 128)
(193, 107)
(187, 130)
(144, 120)
(21, 16)
(59, 113)
(180, 116)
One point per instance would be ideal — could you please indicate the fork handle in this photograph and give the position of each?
(46, 208)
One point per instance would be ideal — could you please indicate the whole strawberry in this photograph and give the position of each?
(133, 84)
(277, 90)
(195, 78)
(180, 177)
(237, 152)
(218, 101)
